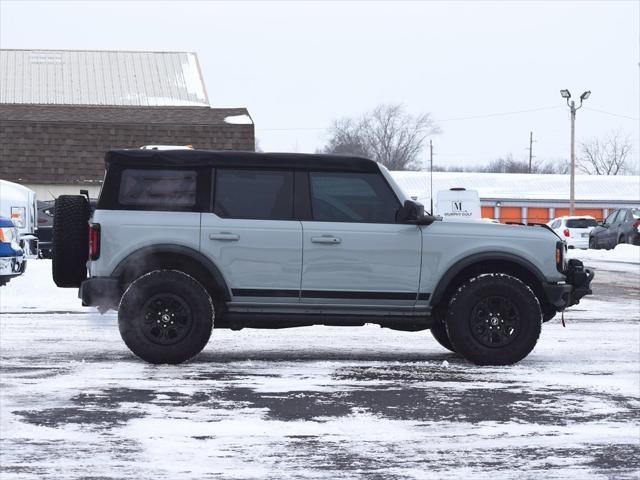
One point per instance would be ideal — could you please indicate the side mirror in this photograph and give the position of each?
(412, 212)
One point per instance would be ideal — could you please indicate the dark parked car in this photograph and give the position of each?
(621, 226)
(45, 226)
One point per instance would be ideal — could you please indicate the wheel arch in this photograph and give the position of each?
(488, 262)
(174, 257)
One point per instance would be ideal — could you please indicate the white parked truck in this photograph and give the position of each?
(18, 203)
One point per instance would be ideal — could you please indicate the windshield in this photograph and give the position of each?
(402, 196)
(581, 222)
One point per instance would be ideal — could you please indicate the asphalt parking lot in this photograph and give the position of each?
(322, 402)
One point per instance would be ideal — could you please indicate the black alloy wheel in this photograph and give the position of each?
(495, 322)
(167, 319)
(494, 319)
(166, 316)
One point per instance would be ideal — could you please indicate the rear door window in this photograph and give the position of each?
(158, 189)
(254, 194)
(581, 223)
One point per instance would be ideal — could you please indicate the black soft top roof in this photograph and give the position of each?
(197, 158)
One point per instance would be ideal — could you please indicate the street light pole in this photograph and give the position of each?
(572, 106)
(572, 189)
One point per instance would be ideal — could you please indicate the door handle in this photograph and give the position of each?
(225, 236)
(326, 239)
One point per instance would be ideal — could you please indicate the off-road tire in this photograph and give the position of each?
(473, 301)
(439, 332)
(70, 238)
(147, 332)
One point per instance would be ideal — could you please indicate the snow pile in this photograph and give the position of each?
(238, 120)
(622, 253)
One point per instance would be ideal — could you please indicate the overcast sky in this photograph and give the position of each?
(298, 65)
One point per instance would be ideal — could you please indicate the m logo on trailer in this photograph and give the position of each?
(458, 204)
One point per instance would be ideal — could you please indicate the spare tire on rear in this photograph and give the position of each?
(70, 240)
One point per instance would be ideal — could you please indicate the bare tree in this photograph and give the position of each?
(386, 134)
(508, 164)
(605, 156)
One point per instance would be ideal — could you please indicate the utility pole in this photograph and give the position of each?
(530, 150)
(572, 106)
(431, 169)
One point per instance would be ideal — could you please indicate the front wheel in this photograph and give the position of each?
(494, 319)
(165, 316)
(592, 244)
(439, 332)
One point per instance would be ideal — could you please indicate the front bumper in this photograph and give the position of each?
(101, 292)
(577, 285)
(12, 267)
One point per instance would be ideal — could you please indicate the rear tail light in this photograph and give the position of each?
(94, 241)
(560, 258)
(566, 232)
(636, 225)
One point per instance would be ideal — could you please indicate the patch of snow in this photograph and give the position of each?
(34, 291)
(622, 253)
(623, 258)
(238, 120)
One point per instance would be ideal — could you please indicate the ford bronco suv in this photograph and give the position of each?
(183, 241)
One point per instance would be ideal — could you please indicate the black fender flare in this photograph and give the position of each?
(476, 258)
(139, 255)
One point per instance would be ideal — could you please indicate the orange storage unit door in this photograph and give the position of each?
(537, 215)
(561, 212)
(593, 212)
(487, 212)
(510, 214)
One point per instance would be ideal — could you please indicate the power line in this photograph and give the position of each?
(501, 114)
(454, 119)
(612, 114)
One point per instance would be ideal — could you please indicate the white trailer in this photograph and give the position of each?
(18, 203)
(458, 204)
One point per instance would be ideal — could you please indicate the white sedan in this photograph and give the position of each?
(574, 230)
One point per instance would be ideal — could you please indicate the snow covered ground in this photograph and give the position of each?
(316, 402)
(625, 258)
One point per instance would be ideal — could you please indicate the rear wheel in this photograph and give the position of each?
(622, 239)
(70, 240)
(165, 316)
(494, 319)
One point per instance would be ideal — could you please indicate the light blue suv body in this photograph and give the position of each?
(282, 240)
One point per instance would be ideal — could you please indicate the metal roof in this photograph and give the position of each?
(78, 77)
(522, 186)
